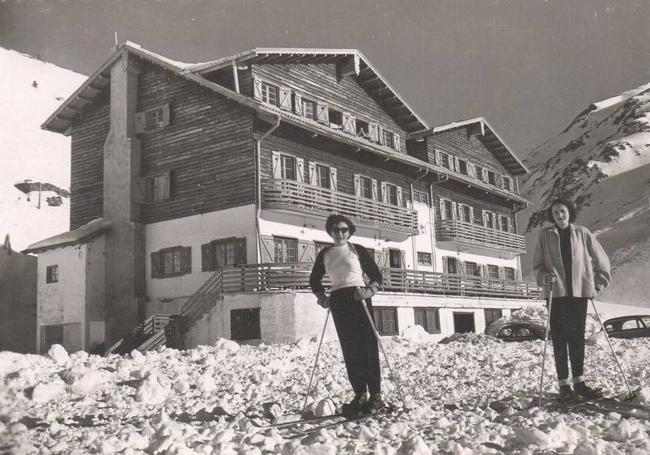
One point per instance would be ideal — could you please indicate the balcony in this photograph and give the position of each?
(295, 196)
(460, 234)
(271, 277)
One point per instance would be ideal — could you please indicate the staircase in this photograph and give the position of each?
(169, 329)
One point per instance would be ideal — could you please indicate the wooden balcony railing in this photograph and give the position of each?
(459, 231)
(269, 277)
(293, 195)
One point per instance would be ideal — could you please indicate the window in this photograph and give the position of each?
(309, 109)
(421, 197)
(646, 321)
(169, 262)
(428, 319)
(365, 184)
(509, 273)
(479, 173)
(223, 253)
(472, 269)
(158, 187)
(388, 139)
(286, 250)
(492, 315)
(245, 324)
(467, 214)
(444, 160)
(152, 119)
(492, 180)
(504, 223)
(362, 128)
(448, 209)
(323, 176)
(391, 194)
(319, 246)
(449, 264)
(52, 274)
(492, 271)
(269, 93)
(478, 217)
(506, 183)
(395, 258)
(630, 325)
(287, 167)
(488, 220)
(424, 258)
(336, 119)
(385, 320)
(462, 167)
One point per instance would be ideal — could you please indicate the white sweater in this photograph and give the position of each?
(343, 267)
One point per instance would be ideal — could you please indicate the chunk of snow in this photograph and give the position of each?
(45, 392)
(226, 346)
(58, 354)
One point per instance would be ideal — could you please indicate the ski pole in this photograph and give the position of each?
(374, 329)
(548, 324)
(313, 370)
(627, 384)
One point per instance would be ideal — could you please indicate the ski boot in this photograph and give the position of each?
(567, 396)
(586, 393)
(374, 404)
(353, 408)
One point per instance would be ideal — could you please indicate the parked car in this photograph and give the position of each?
(628, 326)
(509, 330)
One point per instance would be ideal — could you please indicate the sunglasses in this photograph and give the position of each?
(341, 230)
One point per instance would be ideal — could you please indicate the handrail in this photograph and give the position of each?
(481, 235)
(291, 194)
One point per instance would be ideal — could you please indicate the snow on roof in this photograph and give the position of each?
(86, 232)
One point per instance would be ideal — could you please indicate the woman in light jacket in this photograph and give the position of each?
(569, 258)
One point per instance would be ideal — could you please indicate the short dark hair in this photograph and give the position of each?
(565, 202)
(335, 218)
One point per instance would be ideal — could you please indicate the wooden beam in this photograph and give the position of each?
(348, 66)
(235, 75)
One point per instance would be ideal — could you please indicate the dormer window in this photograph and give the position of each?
(492, 179)
(506, 183)
(388, 139)
(309, 109)
(336, 119)
(269, 93)
(363, 129)
(444, 160)
(462, 167)
(479, 173)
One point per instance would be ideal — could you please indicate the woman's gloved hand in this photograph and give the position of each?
(363, 293)
(323, 300)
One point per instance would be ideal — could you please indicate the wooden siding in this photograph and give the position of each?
(208, 147)
(464, 143)
(346, 167)
(462, 198)
(87, 163)
(319, 82)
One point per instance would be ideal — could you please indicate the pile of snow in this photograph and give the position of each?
(31, 90)
(473, 395)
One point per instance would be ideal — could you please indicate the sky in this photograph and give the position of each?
(528, 66)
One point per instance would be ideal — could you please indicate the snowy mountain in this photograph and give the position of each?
(602, 162)
(34, 164)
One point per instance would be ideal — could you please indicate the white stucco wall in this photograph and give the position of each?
(194, 231)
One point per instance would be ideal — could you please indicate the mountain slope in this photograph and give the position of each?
(602, 162)
(30, 90)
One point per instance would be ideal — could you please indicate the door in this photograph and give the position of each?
(464, 322)
(395, 258)
(245, 324)
(51, 334)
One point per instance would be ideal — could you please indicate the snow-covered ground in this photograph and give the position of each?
(31, 90)
(470, 396)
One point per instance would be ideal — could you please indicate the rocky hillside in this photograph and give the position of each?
(602, 162)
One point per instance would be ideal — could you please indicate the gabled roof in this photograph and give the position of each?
(364, 73)
(80, 235)
(489, 137)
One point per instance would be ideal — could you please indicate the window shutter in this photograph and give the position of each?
(398, 142)
(165, 185)
(285, 98)
(502, 273)
(300, 170)
(357, 185)
(322, 112)
(267, 253)
(275, 162)
(385, 254)
(297, 104)
(380, 134)
(485, 175)
(497, 221)
(186, 260)
(443, 215)
(312, 173)
(304, 254)
(518, 275)
(333, 179)
(461, 267)
(240, 252)
(454, 210)
(257, 89)
(471, 171)
(471, 215)
(155, 265)
(348, 122)
(510, 225)
(139, 122)
(402, 258)
(207, 262)
(454, 164)
(373, 132)
(375, 196)
(445, 264)
(484, 216)
(165, 115)
(383, 191)
(399, 196)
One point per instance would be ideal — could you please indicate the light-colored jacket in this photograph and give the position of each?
(590, 266)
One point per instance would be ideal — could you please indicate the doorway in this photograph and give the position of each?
(464, 323)
(395, 259)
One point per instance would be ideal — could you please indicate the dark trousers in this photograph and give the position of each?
(568, 316)
(358, 342)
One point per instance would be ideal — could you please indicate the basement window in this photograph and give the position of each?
(52, 274)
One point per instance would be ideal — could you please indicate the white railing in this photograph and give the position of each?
(454, 230)
(293, 195)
